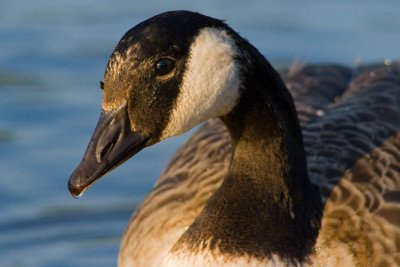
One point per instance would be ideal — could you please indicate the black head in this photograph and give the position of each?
(166, 75)
(147, 67)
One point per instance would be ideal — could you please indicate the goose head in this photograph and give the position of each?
(165, 76)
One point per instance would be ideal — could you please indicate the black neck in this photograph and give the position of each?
(266, 204)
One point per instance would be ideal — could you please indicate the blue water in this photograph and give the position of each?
(52, 57)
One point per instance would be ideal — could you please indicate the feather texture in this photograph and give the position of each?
(350, 119)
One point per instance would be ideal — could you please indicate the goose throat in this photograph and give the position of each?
(266, 205)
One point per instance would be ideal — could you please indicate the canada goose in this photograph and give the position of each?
(240, 192)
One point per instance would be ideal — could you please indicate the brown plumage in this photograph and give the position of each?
(350, 119)
(249, 198)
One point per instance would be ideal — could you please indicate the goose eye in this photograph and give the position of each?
(164, 66)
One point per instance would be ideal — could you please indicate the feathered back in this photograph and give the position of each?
(351, 128)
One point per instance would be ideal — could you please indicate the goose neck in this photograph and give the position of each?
(266, 204)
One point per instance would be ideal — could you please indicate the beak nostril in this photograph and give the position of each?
(106, 149)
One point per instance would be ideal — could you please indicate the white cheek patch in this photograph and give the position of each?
(211, 82)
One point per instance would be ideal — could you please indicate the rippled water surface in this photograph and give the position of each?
(52, 57)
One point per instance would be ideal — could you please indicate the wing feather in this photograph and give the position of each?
(351, 127)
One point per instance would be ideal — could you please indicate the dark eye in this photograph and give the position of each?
(101, 85)
(164, 66)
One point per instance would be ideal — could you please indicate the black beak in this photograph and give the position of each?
(112, 143)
